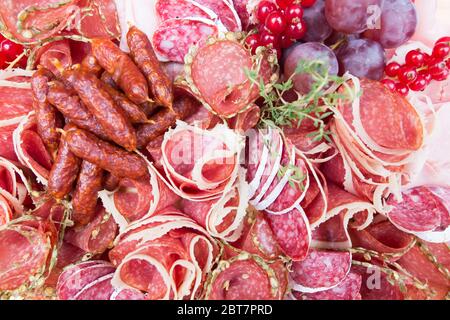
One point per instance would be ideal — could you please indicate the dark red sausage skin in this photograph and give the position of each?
(84, 200)
(145, 58)
(111, 182)
(124, 72)
(73, 109)
(64, 171)
(164, 119)
(90, 64)
(113, 119)
(105, 155)
(46, 115)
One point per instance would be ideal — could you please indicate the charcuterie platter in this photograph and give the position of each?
(224, 149)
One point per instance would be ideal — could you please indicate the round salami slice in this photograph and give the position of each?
(243, 278)
(346, 290)
(178, 9)
(23, 254)
(423, 212)
(321, 270)
(226, 12)
(174, 37)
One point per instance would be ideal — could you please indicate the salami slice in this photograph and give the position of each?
(176, 9)
(346, 290)
(24, 253)
(241, 9)
(244, 278)
(96, 236)
(102, 20)
(53, 50)
(5, 211)
(174, 37)
(321, 270)
(424, 212)
(226, 12)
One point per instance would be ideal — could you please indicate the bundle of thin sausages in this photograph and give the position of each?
(93, 116)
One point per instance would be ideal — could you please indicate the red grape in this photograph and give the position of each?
(264, 8)
(402, 89)
(296, 31)
(390, 84)
(275, 22)
(392, 69)
(415, 58)
(419, 84)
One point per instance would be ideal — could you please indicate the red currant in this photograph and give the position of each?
(390, 84)
(392, 69)
(252, 41)
(444, 40)
(407, 74)
(419, 84)
(441, 51)
(442, 76)
(9, 51)
(264, 8)
(283, 4)
(3, 63)
(402, 89)
(448, 63)
(426, 75)
(293, 13)
(269, 40)
(415, 58)
(436, 68)
(275, 22)
(286, 42)
(308, 3)
(296, 31)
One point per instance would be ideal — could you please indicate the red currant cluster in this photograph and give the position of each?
(419, 69)
(9, 51)
(280, 24)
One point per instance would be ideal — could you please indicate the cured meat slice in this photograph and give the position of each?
(134, 200)
(241, 9)
(321, 270)
(15, 103)
(24, 253)
(383, 237)
(292, 232)
(176, 9)
(5, 211)
(14, 188)
(30, 149)
(96, 236)
(59, 50)
(201, 164)
(166, 256)
(244, 278)
(174, 37)
(246, 120)
(226, 12)
(424, 212)
(346, 290)
(225, 87)
(102, 20)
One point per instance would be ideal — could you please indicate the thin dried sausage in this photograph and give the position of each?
(107, 156)
(124, 72)
(111, 182)
(46, 115)
(90, 64)
(144, 56)
(64, 171)
(112, 118)
(165, 119)
(84, 200)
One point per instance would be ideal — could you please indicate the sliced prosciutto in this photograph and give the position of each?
(166, 256)
(201, 164)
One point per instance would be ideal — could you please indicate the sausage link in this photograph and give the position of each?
(64, 171)
(107, 156)
(98, 101)
(73, 109)
(164, 119)
(125, 73)
(133, 111)
(108, 79)
(46, 115)
(84, 200)
(90, 64)
(144, 56)
(111, 182)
